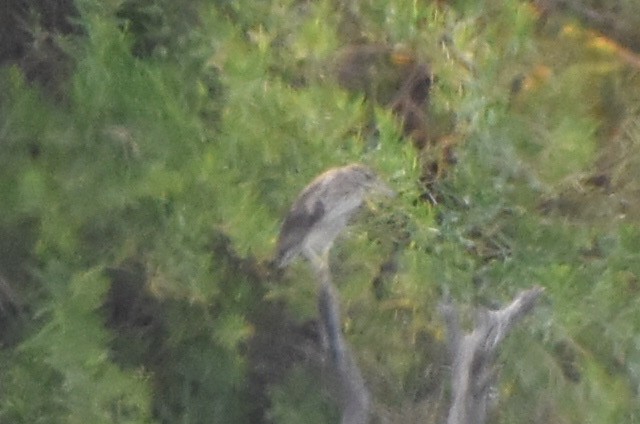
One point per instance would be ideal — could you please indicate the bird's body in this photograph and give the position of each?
(322, 211)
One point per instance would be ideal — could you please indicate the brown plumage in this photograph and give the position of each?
(322, 211)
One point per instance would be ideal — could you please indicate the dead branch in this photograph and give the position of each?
(474, 354)
(8, 296)
(353, 393)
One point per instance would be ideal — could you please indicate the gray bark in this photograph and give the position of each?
(474, 354)
(352, 391)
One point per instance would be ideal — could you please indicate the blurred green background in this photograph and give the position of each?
(150, 149)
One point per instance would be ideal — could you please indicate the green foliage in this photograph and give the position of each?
(189, 129)
(299, 400)
(70, 355)
(200, 376)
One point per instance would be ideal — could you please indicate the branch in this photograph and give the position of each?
(474, 354)
(8, 297)
(353, 393)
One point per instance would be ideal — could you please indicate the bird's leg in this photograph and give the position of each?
(320, 265)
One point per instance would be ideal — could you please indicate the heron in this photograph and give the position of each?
(322, 210)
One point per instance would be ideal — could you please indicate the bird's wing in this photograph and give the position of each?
(299, 221)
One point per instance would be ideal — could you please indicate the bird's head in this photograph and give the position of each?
(369, 180)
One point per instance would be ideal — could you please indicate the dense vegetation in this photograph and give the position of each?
(150, 149)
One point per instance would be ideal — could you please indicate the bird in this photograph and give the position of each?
(321, 212)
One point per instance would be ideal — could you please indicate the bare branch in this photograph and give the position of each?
(353, 393)
(8, 296)
(452, 322)
(474, 354)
